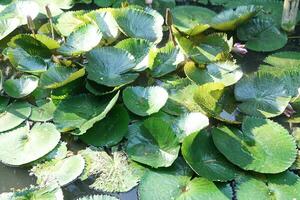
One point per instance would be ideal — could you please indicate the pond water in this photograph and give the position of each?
(19, 178)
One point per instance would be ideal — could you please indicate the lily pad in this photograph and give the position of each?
(3, 104)
(81, 40)
(110, 66)
(152, 142)
(165, 60)
(281, 186)
(14, 115)
(138, 23)
(112, 172)
(52, 192)
(144, 101)
(155, 185)
(227, 73)
(262, 35)
(61, 171)
(262, 95)
(230, 19)
(192, 20)
(21, 145)
(201, 154)
(21, 87)
(43, 111)
(109, 131)
(139, 48)
(284, 59)
(59, 76)
(261, 144)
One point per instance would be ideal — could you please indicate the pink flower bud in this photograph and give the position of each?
(148, 1)
(239, 48)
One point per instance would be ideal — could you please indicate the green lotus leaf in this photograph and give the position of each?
(139, 48)
(159, 5)
(69, 114)
(262, 35)
(112, 172)
(189, 123)
(280, 186)
(262, 95)
(110, 66)
(192, 20)
(165, 60)
(143, 101)
(24, 62)
(232, 18)
(50, 43)
(218, 101)
(59, 76)
(43, 111)
(13, 115)
(83, 39)
(226, 72)
(21, 145)
(61, 171)
(55, 6)
(106, 23)
(139, 23)
(284, 59)
(68, 22)
(200, 153)
(48, 192)
(152, 142)
(21, 87)
(211, 48)
(31, 45)
(261, 144)
(155, 185)
(58, 153)
(15, 14)
(104, 3)
(98, 197)
(109, 131)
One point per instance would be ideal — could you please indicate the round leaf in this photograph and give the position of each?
(21, 145)
(200, 153)
(21, 87)
(261, 144)
(144, 101)
(14, 115)
(43, 111)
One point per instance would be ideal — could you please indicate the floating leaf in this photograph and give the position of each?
(143, 101)
(230, 19)
(14, 115)
(200, 153)
(43, 111)
(59, 76)
(211, 48)
(81, 40)
(21, 145)
(155, 185)
(284, 59)
(48, 192)
(55, 6)
(112, 172)
(109, 131)
(192, 20)
(138, 23)
(261, 144)
(21, 87)
(69, 114)
(280, 186)
(227, 73)
(139, 48)
(262, 35)
(110, 66)
(262, 95)
(62, 171)
(152, 142)
(165, 60)
(3, 104)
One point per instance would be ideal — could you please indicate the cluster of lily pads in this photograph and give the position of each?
(178, 118)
